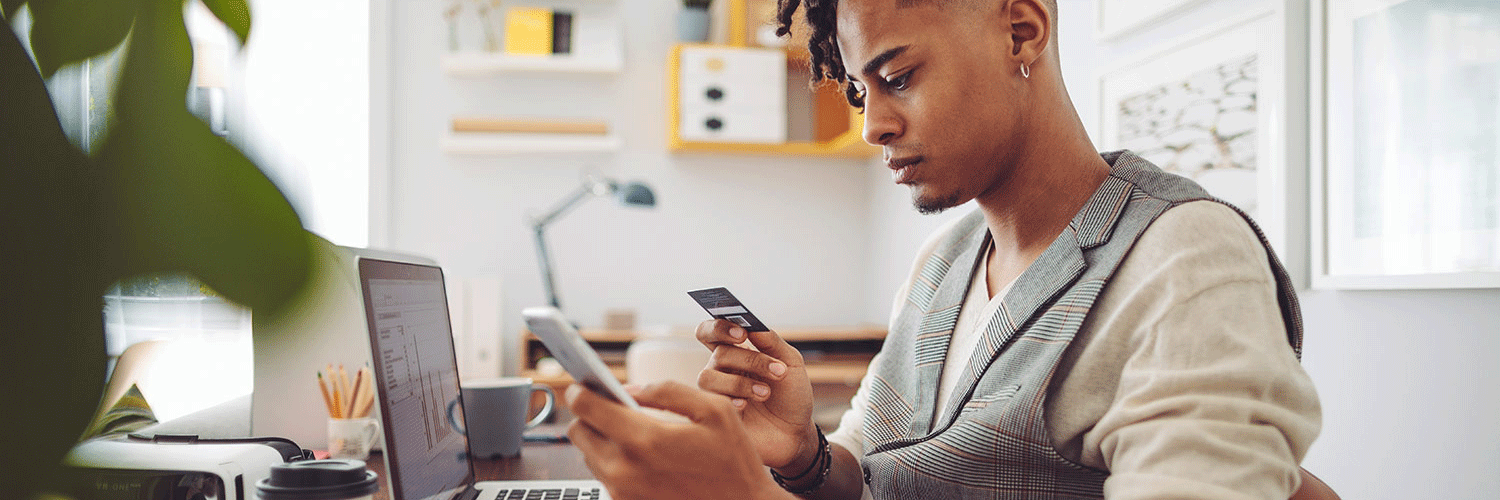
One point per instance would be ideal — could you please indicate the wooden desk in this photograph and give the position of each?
(537, 461)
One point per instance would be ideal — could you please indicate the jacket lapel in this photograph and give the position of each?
(936, 329)
(1054, 271)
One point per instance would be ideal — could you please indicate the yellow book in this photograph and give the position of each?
(528, 30)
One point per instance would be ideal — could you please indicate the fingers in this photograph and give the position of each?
(733, 385)
(717, 332)
(731, 359)
(684, 400)
(605, 416)
(597, 450)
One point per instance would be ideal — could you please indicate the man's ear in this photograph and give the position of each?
(1030, 29)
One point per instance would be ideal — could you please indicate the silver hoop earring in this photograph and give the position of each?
(1025, 71)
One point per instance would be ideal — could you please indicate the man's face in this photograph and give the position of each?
(936, 96)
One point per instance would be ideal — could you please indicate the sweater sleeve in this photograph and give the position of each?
(1210, 402)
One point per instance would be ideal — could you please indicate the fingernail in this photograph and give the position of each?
(633, 389)
(737, 332)
(778, 368)
(760, 390)
(738, 403)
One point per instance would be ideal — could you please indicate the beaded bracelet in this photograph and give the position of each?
(825, 457)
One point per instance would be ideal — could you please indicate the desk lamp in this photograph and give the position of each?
(630, 194)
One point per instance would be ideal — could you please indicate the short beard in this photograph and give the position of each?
(934, 206)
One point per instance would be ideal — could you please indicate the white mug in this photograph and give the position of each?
(351, 437)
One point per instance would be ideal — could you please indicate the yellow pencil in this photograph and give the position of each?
(364, 409)
(348, 388)
(367, 398)
(338, 394)
(359, 382)
(327, 402)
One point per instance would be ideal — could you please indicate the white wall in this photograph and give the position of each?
(785, 234)
(300, 105)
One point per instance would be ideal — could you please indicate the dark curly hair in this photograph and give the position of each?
(827, 63)
(822, 17)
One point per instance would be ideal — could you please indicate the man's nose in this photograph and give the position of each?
(882, 125)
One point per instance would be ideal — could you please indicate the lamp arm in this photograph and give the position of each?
(567, 203)
(539, 230)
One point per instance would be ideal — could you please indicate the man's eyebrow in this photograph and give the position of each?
(880, 60)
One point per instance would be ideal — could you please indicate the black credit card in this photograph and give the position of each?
(721, 304)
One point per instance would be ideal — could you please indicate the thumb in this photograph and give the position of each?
(676, 397)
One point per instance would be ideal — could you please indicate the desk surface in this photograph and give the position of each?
(537, 461)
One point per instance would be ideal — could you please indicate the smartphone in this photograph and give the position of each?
(575, 355)
(722, 305)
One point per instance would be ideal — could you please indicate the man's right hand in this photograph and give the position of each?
(767, 381)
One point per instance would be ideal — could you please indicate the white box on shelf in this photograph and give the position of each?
(730, 94)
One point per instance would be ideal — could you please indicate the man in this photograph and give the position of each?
(1097, 328)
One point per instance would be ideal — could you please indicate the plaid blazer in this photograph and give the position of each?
(992, 440)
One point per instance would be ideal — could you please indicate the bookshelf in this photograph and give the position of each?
(596, 50)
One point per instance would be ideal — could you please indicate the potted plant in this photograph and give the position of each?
(692, 21)
(160, 193)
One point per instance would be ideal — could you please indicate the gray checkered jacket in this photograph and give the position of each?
(992, 440)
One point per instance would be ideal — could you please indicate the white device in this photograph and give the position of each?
(131, 467)
(575, 355)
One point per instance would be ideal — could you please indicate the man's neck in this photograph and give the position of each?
(1047, 188)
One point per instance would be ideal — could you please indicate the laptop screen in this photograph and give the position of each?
(406, 308)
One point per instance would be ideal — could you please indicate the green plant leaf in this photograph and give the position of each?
(186, 199)
(234, 13)
(67, 31)
(57, 267)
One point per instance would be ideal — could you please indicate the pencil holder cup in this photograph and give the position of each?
(351, 437)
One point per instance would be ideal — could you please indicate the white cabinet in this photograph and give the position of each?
(730, 94)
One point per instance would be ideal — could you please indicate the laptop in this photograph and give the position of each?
(416, 370)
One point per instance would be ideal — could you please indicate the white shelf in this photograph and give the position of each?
(480, 64)
(477, 143)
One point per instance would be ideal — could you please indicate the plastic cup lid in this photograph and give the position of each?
(318, 480)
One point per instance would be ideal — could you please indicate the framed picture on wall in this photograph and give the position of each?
(1406, 146)
(1207, 107)
(1119, 17)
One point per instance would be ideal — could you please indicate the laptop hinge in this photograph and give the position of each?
(468, 493)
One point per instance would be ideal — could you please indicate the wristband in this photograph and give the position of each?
(824, 457)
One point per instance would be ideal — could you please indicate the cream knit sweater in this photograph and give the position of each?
(1180, 382)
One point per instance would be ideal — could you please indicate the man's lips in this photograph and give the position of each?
(901, 168)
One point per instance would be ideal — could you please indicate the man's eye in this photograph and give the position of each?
(898, 83)
(856, 97)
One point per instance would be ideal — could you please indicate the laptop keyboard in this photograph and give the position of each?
(549, 494)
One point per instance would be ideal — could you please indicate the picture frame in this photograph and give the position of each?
(1210, 106)
(1405, 191)
(1115, 18)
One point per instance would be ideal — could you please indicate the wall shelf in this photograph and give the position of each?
(472, 64)
(502, 144)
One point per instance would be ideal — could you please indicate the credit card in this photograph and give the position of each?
(721, 304)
